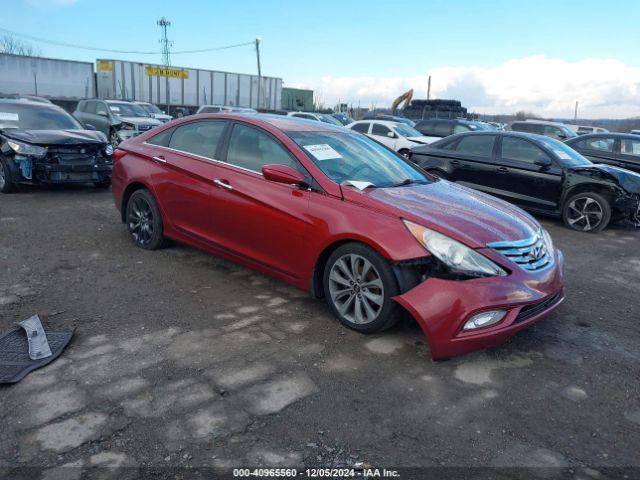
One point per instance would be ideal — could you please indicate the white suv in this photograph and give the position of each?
(397, 136)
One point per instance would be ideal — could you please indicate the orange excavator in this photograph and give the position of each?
(405, 97)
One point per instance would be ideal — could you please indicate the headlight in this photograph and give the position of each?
(127, 126)
(26, 149)
(108, 150)
(458, 257)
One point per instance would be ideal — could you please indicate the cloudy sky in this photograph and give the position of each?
(495, 56)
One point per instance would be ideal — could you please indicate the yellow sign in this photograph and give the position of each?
(166, 72)
(103, 66)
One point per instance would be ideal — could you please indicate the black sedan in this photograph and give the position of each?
(537, 173)
(618, 149)
(41, 143)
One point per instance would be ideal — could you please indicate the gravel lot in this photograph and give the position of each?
(183, 359)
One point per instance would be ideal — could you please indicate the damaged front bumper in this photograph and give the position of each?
(62, 168)
(442, 307)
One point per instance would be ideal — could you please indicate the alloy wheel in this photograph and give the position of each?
(141, 221)
(356, 289)
(585, 214)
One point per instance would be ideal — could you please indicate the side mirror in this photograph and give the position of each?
(88, 126)
(283, 174)
(562, 136)
(391, 135)
(542, 162)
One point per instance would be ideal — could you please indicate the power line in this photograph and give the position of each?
(109, 50)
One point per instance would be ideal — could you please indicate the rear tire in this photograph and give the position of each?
(6, 183)
(586, 212)
(359, 285)
(144, 221)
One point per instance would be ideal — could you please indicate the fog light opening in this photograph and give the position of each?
(484, 319)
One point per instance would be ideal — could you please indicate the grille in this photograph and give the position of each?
(73, 155)
(529, 311)
(530, 254)
(145, 127)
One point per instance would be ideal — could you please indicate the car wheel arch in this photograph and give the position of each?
(317, 290)
(126, 195)
(604, 190)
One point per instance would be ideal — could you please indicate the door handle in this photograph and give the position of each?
(503, 170)
(159, 159)
(222, 184)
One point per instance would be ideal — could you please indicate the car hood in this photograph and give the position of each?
(423, 139)
(467, 215)
(55, 137)
(140, 120)
(628, 180)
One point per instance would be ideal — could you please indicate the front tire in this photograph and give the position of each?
(114, 138)
(144, 221)
(586, 212)
(359, 285)
(405, 153)
(6, 183)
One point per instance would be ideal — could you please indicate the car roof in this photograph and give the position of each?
(531, 136)
(603, 135)
(281, 122)
(543, 122)
(28, 101)
(388, 123)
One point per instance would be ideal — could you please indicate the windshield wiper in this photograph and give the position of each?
(406, 181)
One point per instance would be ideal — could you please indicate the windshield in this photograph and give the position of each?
(150, 108)
(329, 119)
(36, 117)
(347, 156)
(405, 130)
(127, 110)
(567, 155)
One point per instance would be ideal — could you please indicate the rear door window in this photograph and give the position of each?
(478, 145)
(604, 144)
(199, 138)
(443, 129)
(163, 138)
(630, 147)
(361, 127)
(523, 151)
(251, 149)
(459, 128)
(380, 130)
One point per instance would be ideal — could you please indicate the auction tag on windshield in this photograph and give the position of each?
(322, 151)
(9, 117)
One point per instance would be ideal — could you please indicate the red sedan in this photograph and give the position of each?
(334, 212)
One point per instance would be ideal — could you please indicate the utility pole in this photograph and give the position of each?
(163, 23)
(429, 88)
(259, 70)
(575, 113)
